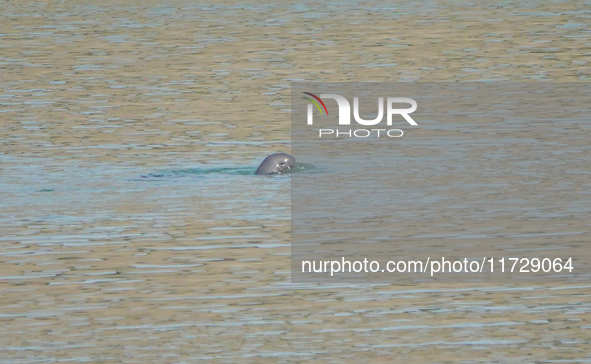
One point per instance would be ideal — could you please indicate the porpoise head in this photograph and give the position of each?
(276, 163)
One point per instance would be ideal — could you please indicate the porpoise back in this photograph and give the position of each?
(276, 163)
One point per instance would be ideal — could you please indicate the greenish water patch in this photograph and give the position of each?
(241, 171)
(237, 171)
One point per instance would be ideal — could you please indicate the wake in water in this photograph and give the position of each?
(237, 171)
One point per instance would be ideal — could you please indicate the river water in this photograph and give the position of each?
(133, 230)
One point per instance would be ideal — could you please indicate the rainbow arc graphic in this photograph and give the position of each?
(316, 103)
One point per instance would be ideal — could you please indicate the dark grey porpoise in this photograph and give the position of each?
(276, 163)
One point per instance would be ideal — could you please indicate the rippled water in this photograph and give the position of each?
(132, 228)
